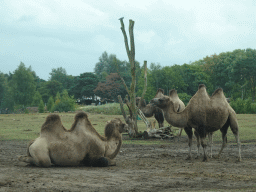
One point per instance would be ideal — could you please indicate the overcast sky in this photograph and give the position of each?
(72, 34)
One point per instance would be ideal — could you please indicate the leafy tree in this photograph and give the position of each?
(3, 87)
(61, 76)
(36, 99)
(84, 85)
(245, 70)
(111, 88)
(50, 104)
(22, 85)
(41, 107)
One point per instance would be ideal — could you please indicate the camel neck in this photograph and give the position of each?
(175, 119)
(110, 147)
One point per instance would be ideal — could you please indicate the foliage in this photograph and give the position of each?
(243, 106)
(50, 104)
(61, 76)
(111, 88)
(22, 85)
(184, 97)
(64, 103)
(84, 85)
(41, 107)
(36, 99)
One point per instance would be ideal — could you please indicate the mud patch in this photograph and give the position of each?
(139, 168)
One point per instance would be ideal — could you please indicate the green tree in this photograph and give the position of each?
(245, 70)
(41, 107)
(36, 99)
(61, 76)
(50, 104)
(22, 85)
(84, 85)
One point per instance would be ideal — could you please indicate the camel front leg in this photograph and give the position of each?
(189, 132)
(204, 148)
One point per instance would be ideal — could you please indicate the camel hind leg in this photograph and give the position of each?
(189, 132)
(234, 129)
(38, 154)
(224, 130)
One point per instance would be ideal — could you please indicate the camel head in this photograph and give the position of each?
(161, 102)
(143, 103)
(115, 127)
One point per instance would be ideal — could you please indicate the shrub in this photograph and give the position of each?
(64, 103)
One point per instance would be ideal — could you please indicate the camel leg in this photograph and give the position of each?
(160, 119)
(180, 132)
(224, 130)
(189, 132)
(198, 143)
(204, 148)
(234, 129)
(210, 143)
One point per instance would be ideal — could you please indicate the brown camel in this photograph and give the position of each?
(81, 145)
(149, 110)
(205, 114)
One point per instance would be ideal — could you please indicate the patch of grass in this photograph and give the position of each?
(27, 127)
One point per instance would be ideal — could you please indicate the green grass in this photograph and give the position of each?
(27, 127)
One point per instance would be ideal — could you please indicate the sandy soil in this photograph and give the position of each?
(139, 168)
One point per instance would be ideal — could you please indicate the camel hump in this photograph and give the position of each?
(172, 93)
(81, 115)
(217, 91)
(50, 122)
(160, 91)
(201, 86)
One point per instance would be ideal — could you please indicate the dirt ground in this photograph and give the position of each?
(139, 168)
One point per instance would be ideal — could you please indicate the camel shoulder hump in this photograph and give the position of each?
(52, 121)
(218, 92)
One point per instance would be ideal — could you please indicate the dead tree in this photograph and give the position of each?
(132, 119)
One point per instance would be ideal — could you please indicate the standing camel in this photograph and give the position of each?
(149, 109)
(205, 114)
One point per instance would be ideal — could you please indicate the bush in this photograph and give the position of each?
(64, 103)
(41, 107)
(243, 106)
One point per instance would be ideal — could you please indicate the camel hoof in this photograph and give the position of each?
(239, 159)
(197, 157)
(22, 158)
(205, 159)
(188, 158)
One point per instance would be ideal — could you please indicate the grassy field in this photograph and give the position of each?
(27, 126)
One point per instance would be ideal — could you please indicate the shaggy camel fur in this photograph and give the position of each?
(205, 114)
(81, 145)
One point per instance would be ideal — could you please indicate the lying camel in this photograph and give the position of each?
(81, 145)
(205, 114)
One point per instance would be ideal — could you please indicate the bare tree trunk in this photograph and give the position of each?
(132, 120)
